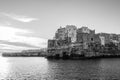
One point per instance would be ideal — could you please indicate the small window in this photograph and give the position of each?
(91, 39)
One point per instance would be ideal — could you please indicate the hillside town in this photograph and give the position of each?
(73, 42)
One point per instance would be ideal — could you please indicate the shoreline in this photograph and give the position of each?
(69, 57)
(84, 58)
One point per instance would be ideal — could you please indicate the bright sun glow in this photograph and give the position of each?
(4, 67)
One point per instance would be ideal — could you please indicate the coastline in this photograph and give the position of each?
(83, 57)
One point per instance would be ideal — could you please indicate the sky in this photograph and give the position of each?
(28, 24)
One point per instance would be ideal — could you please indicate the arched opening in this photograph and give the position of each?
(65, 55)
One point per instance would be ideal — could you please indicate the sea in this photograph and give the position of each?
(40, 68)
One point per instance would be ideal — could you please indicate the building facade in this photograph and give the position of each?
(60, 34)
(71, 40)
(71, 32)
(84, 29)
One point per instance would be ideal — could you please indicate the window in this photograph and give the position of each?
(91, 39)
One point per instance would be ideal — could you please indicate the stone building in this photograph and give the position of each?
(106, 37)
(86, 36)
(71, 32)
(119, 38)
(109, 37)
(52, 43)
(85, 30)
(60, 34)
(64, 42)
(70, 40)
(102, 38)
(59, 42)
(68, 31)
(114, 37)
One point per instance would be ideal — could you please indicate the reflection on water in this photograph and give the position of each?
(37, 68)
(4, 67)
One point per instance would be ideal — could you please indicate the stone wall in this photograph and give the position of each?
(89, 38)
(51, 43)
(106, 36)
(60, 33)
(71, 40)
(86, 30)
(71, 32)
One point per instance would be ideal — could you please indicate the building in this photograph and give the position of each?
(84, 29)
(102, 38)
(52, 43)
(60, 34)
(59, 42)
(114, 37)
(109, 38)
(71, 32)
(70, 40)
(106, 37)
(86, 36)
(68, 31)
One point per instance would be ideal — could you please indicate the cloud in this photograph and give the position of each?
(10, 39)
(17, 44)
(11, 47)
(19, 17)
(5, 23)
